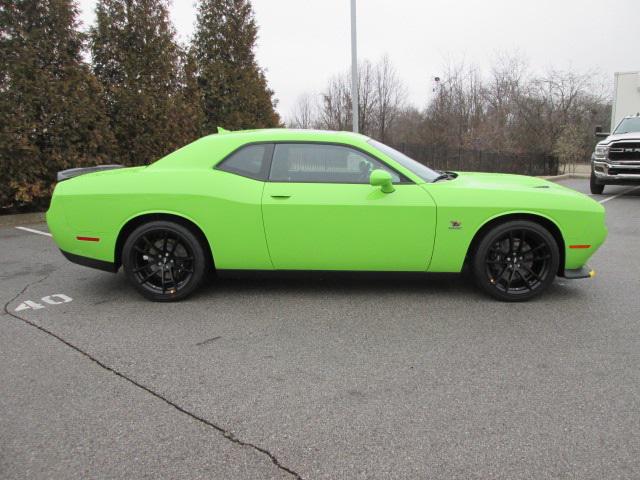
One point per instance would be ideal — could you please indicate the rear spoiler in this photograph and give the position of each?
(74, 172)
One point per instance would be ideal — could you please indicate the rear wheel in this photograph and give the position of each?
(516, 261)
(164, 261)
(595, 187)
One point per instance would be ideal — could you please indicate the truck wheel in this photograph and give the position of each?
(595, 187)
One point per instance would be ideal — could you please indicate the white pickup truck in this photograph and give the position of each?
(616, 159)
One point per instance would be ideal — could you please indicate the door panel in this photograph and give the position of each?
(320, 226)
(230, 213)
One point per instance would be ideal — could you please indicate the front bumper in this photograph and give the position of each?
(616, 172)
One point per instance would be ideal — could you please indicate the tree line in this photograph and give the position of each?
(509, 110)
(124, 92)
(128, 92)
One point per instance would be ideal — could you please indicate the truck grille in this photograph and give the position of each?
(621, 151)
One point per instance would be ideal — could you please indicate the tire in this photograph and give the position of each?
(164, 261)
(595, 187)
(519, 277)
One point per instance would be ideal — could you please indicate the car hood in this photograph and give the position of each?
(509, 192)
(503, 181)
(622, 136)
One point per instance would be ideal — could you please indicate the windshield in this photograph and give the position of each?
(424, 172)
(628, 125)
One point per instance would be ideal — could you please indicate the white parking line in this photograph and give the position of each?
(618, 194)
(31, 230)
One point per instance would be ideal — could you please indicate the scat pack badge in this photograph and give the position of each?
(455, 225)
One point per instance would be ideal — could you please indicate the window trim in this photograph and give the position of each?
(263, 174)
(404, 180)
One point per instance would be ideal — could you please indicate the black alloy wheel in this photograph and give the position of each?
(516, 261)
(164, 260)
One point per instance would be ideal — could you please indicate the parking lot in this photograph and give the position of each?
(324, 377)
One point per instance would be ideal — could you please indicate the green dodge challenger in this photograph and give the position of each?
(313, 200)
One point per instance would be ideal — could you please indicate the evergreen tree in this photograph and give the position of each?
(50, 114)
(137, 61)
(189, 103)
(235, 90)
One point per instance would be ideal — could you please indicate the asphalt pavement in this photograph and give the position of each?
(326, 377)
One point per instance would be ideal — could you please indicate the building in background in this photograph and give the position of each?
(626, 96)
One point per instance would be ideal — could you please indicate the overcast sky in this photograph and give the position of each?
(304, 42)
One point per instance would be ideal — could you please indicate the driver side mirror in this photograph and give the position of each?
(599, 133)
(382, 178)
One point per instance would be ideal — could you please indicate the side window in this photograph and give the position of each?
(250, 161)
(322, 163)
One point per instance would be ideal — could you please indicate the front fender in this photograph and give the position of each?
(455, 235)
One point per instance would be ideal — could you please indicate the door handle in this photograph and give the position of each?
(281, 197)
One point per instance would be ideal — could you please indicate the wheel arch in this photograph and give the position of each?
(541, 220)
(134, 222)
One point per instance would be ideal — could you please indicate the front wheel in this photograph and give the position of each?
(595, 187)
(164, 261)
(516, 261)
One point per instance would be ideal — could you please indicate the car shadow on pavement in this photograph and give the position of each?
(101, 288)
(340, 282)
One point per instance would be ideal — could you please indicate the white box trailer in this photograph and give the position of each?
(626, 96)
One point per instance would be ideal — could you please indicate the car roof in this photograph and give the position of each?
(278, 134)
(201, 152)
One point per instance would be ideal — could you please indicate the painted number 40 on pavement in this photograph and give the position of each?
(55, 299)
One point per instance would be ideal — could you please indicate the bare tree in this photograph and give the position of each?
(305, 112)
(502, 92)
(454, 115)
(390, 95)
(509, 110)
(367, 96)
(554, 102)
(513, 112)
(381, 96)
(408, 127)
(335, 111)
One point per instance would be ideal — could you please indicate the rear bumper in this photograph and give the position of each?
(583, 272)
(90, 262)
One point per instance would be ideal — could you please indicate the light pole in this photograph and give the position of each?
(354, 69)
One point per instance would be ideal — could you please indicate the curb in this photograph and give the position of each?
(566, 176)
(21, 219)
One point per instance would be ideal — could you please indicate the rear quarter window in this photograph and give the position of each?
(250, 161)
